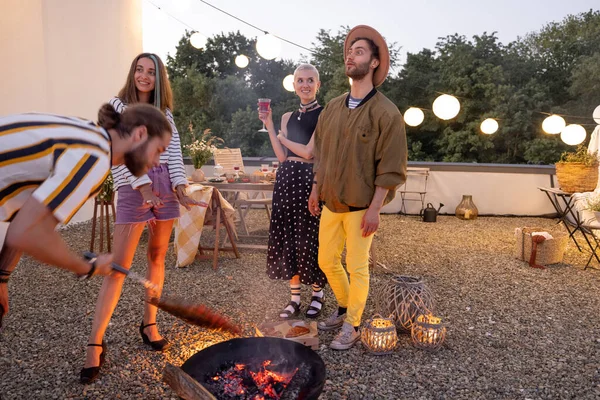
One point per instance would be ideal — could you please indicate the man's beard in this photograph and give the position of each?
(135, 160)
(359, 71)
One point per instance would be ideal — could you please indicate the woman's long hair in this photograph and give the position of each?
(164, 99)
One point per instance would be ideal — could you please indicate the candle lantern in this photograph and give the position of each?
(404, 297)
(428, 332)
(378, 335)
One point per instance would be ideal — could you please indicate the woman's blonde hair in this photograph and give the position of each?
(309, 67)
(164, 99)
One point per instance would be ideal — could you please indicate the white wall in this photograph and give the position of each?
(493, 193)
(66, 56)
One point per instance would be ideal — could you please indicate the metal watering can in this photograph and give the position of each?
(430, 213)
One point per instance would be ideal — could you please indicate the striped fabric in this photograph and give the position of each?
(353, 103)
(171, 157)
(60, 161)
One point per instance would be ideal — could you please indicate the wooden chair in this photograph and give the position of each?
(217, 220)
(104, 207)
(241, 201)
(229, 158)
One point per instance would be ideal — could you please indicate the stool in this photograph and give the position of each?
(104, 218)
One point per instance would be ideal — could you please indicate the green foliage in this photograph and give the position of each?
(107, 191)
(212, 92)
(581, 155)
(202, 149)
(554, 70)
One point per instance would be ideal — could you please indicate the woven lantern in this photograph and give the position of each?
(428, 332)
(404, 297)
(378, 335)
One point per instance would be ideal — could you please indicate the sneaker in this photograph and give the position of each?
(333, 322)
(346, 338)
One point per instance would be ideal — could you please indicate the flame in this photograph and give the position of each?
(236, 381)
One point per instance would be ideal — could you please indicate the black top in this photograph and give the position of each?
(300, 131)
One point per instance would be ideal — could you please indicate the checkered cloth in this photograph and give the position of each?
(188, 228)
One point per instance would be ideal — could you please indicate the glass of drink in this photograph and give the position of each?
(263, 107)
(275, 166)
(218, 171)
(264, 168)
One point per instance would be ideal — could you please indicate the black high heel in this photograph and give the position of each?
(89, 375)
(157, 345)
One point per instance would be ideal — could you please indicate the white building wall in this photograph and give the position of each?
(66, 56)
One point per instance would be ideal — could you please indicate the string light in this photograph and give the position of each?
(554, 124)
(489, 126)
(268, 46)
(255, 27)
(242, 61)
(573, 134)
(446, 107)
(596, 115)
(413, 116)
(288, 83)
(198, 40)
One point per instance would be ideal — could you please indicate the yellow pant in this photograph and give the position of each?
(334, 230)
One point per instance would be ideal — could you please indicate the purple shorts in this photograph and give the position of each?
(131, 208)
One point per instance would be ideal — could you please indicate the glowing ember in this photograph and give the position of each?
(245, 382)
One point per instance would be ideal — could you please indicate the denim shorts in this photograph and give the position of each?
(131, 208)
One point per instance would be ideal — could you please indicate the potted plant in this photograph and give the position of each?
(201, 151)
(107, 192)
(577, 171)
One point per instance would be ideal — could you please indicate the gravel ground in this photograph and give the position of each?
(513, 331)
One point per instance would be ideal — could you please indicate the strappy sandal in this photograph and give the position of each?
(313, 308)
(90, 374)
(288, 313)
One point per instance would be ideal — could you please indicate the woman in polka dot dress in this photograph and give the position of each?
(294, 232)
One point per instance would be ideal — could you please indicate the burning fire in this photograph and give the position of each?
(241, 382)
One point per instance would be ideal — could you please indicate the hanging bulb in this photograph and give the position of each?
(446, 107)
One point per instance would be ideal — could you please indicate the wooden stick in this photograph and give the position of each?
(184, 385)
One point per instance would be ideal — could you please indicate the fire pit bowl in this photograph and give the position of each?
(303, 365)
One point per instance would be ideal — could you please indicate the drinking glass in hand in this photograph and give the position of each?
(263, 107)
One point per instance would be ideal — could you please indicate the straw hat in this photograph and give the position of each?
(364, 31)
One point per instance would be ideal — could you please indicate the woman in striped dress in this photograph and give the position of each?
(152, 199)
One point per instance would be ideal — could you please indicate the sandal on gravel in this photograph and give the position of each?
(289, 314)
(313, 308)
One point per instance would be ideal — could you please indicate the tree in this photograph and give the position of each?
(210, 90)
(553, 70)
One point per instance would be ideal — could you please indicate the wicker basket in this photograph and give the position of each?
(576, 177)
(549, 251)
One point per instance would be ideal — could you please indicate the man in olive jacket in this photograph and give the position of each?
(360, 160)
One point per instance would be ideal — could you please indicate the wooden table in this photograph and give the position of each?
(242, 206)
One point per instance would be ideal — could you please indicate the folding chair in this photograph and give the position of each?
(564, 204)
(415, 187)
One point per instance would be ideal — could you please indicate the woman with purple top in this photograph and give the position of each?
(152, 199)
